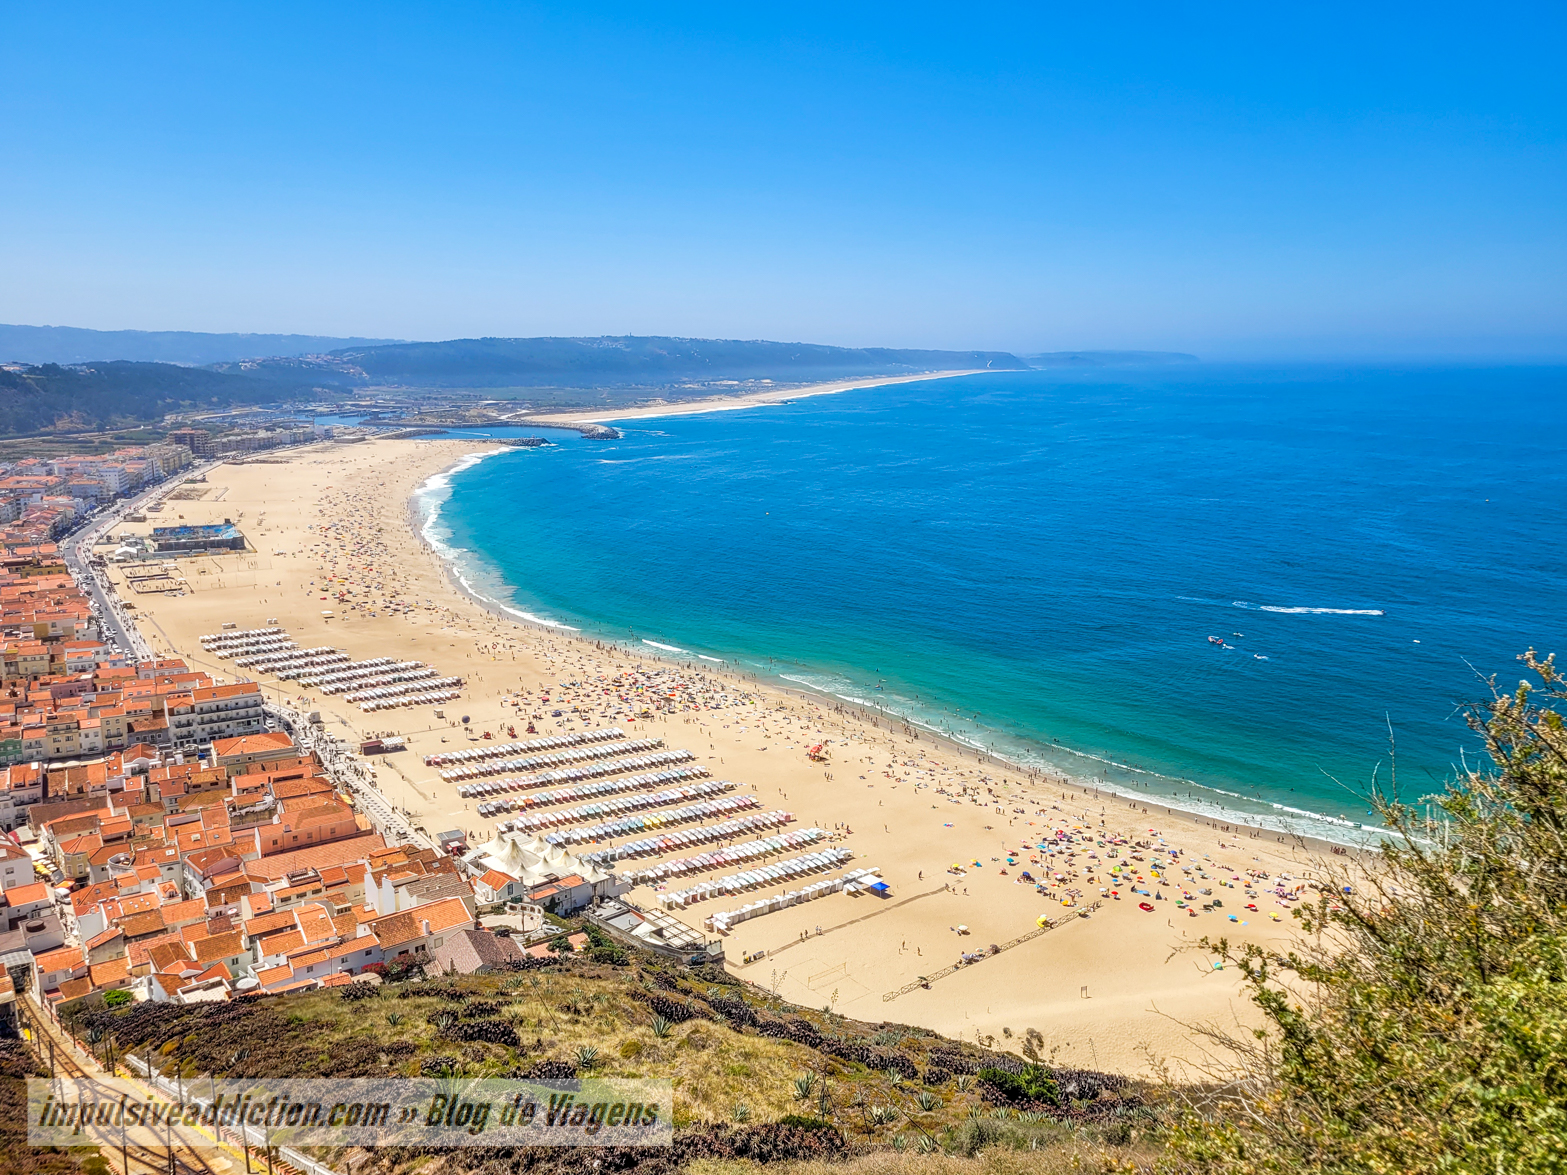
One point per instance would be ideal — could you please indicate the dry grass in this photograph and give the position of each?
(1066, 1160)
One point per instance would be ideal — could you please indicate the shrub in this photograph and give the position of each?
(487, 1031)
(806, 1122)
(117, 998)
(551, 1070)
(1422, 1024)
(1030, 1087)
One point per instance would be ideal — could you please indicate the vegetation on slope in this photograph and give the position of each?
(1422, 1027)
(1425, 1030)
(646, 361)
(118, 395)
(754, 1078)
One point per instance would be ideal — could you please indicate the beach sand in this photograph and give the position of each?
(729, 403)
(1111, 991)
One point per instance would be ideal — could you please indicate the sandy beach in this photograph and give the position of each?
(330, 528)
(733, 402)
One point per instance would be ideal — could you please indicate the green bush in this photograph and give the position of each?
(806, 1122)
(1422, 1025)
(117, 998)
(1034, 1084)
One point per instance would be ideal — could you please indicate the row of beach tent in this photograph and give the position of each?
(617, 806)
(364, 675)
(587, 791)
(252, 645)
(653, 846)
(293, 661)
(629, 825)
(728, 855)
(404, 684)
(339, 674)
(212, 641)
(850, 882)
(573, 774)
(500, 750)
(425, 698)
(757, 878)
(563, 758)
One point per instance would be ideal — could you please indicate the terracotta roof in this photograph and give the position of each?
(140, 925)
(106, 937)
(170, 955)
(219, 946)
(283, 942)
(272, 741)
(60, 959)
(26, 895)
(108, 974)
(274, 975)
(270, 923)
(407, 925)
(337, 852)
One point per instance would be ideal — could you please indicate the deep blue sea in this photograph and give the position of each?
(1037, 561)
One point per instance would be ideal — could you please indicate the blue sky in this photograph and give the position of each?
(1238, 181)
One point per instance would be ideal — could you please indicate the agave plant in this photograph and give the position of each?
(883, 1115)
(741, 1112)
(965, 1083)
(975, 1112)
(587, 1056)
(899, 1142)
(394, 1018)
(662, 1027)
(894, 1077)
(804, 1087)
(929, 1102)
(925, 1145)
(1001, 1112)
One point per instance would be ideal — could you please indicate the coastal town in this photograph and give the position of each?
(255, 739)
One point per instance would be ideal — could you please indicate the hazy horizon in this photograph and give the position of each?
(1239, 184)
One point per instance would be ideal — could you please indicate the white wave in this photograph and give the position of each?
(667, 648)
(436, 490)
(705, 657)
(532, 619)
(1328, 611)
(432, 495)
(1305, 611)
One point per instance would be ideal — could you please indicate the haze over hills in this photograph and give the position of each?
(96, 382)
(624, 360)
(75, 344)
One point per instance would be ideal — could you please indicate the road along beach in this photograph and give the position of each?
(955, 836)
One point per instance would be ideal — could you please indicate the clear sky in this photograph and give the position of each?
(1234, 180)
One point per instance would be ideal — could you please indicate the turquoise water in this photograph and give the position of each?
(1036, 562)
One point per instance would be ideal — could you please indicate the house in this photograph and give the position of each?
(474, 952)
(411, 935)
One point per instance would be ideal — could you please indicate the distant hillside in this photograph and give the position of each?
(595, 362)
(74, 344)
(1109, 358)
(117, 395)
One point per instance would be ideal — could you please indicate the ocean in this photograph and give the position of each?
(1245, 590)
